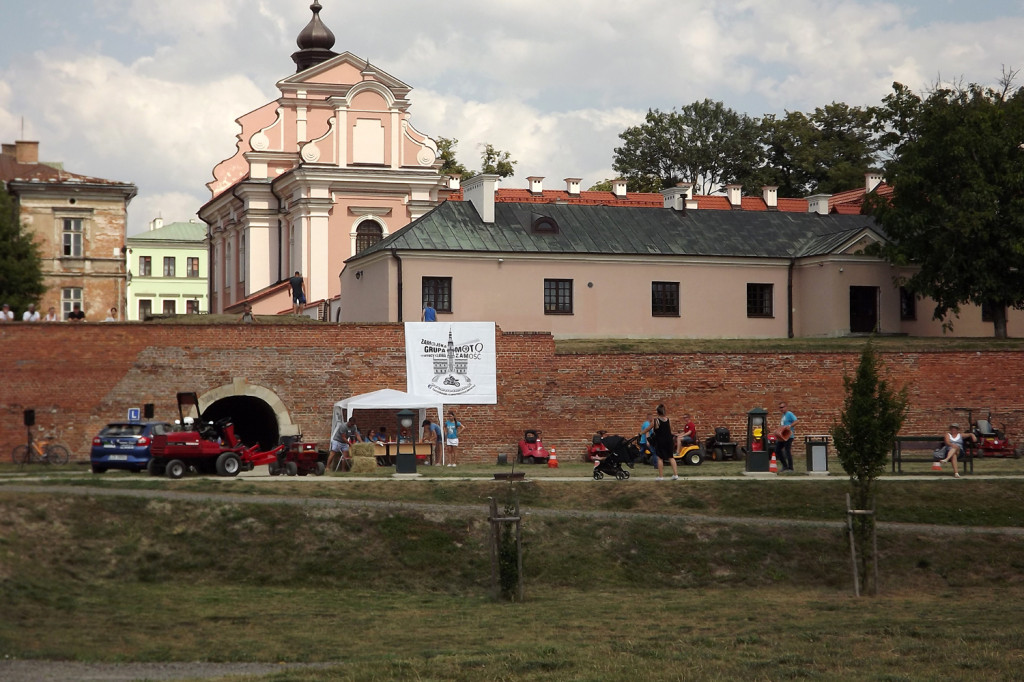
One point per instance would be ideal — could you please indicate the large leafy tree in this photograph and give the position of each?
(827, 151)
(21, 275)
(705, 143)
(957, 208)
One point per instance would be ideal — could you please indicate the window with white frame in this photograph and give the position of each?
(145, 266)
(193, 267)
(192, 306)
(170, 306)
(73, 237)
(69, 296)
(169, 266)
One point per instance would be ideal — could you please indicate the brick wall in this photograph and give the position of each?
(83, 376)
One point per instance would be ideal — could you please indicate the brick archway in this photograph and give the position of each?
(241, 387)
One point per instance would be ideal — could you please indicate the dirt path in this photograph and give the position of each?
(478, 510)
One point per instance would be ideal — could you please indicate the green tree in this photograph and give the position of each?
(496, 162)
(705, 143)
(21, 274)
(449, 163)
(827, 151)
(957, 208)
(873, 413)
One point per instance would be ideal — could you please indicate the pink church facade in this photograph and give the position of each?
(330, 167)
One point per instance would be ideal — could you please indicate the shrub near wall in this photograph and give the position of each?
(83, 376)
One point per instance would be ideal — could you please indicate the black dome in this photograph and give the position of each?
(315, 42)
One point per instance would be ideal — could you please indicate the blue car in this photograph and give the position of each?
(125, 445)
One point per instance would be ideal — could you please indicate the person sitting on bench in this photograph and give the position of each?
(955, 446)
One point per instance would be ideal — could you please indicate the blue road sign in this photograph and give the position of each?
(134, 414)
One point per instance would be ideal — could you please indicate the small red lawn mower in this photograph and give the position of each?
(299, 459)
(531, 450)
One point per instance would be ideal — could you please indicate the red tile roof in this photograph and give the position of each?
(12, 171)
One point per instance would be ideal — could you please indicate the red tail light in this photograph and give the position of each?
(143, 441)
(97, 441)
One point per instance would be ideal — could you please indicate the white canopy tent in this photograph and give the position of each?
(389, 399)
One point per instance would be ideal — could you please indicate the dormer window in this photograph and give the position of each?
(543, 224)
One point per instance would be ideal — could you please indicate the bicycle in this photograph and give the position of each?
(44, 451)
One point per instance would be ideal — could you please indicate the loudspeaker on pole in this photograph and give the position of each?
(30, 417)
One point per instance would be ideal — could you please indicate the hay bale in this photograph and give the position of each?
(363, 457)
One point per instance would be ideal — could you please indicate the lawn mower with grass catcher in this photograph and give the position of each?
(531, 449)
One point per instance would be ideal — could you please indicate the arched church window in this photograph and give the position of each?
(368, 233)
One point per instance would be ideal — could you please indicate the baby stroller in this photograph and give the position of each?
(620, 451)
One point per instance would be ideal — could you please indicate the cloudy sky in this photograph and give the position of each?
(147, 91)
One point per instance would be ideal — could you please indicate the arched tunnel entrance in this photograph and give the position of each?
(254, 419)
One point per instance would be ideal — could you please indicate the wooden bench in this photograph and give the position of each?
(921, 449)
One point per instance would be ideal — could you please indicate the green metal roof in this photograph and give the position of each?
(176, 232)
(612, 230)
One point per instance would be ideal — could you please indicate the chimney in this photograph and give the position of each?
(26, 152)
(454, 182)
(8, 150)
(572, 186)
(536, 184)
(479, 190)
(735, 194)
(872, 179)
(619, 188)
(675, 198)
(818, 204)
(771, 197)
(156, 224)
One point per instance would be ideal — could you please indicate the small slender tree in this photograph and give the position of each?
(873, 413)
(497, 162)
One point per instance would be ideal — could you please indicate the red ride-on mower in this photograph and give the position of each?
(299, 459)
(992, 442)
(531, 450)
(206, 447)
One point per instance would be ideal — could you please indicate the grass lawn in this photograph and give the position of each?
(625, 580)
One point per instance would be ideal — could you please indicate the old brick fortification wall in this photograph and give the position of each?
(86, 375)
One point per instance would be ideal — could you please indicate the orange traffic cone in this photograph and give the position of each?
(937, 465)
(552, 460)
(773, 468)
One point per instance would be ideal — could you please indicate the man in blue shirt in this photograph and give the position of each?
(785, 447)
(430, 428)
(429, 314)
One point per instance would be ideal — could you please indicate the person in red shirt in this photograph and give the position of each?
(689, 433)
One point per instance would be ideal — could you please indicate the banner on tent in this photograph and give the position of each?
(456, 361)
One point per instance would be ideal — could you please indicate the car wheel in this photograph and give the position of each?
(228, 464)
(176, 469)
(320, 468)
(291, 468)
(694, 458)
(155, 467)
(98, 469)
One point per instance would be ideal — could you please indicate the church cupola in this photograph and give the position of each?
(315, 42)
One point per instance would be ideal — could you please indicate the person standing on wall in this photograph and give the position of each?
(428, 314)
(664, 442)
(31, 315)
(298, 295)
(785, 447)
(452, 427)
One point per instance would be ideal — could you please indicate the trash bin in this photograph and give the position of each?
(817, 453)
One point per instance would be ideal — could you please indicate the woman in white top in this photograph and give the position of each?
(955, 446)
(51, 315)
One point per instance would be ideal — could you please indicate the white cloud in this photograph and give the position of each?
(148, 92)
